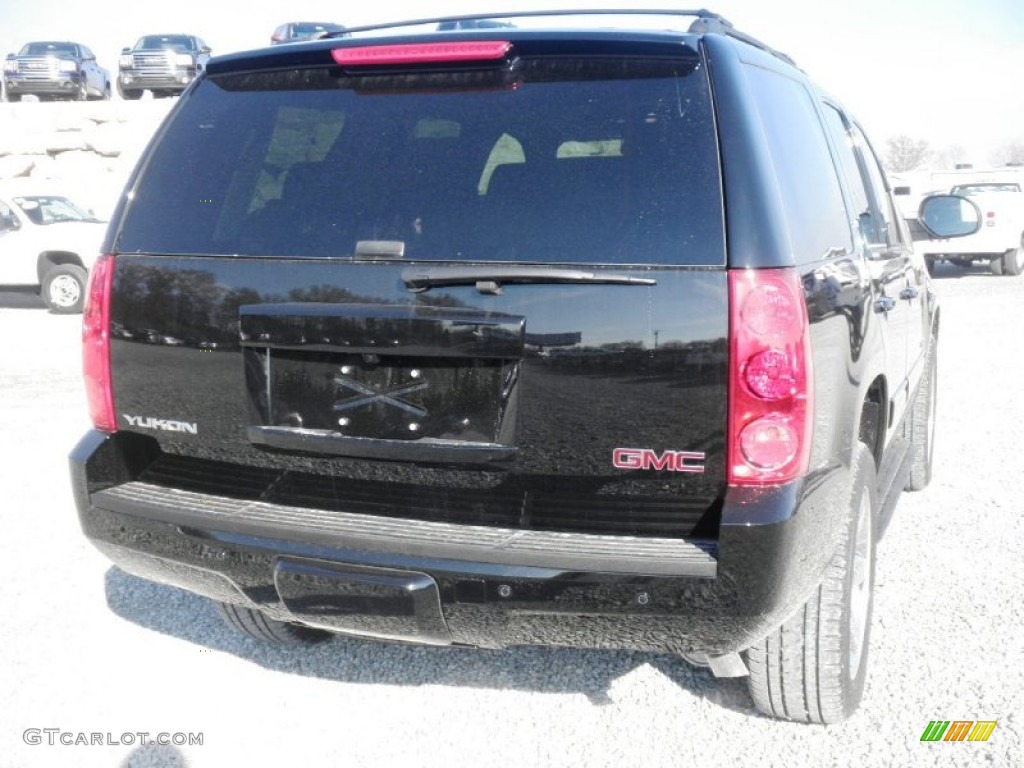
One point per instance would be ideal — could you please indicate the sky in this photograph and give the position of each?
(950, 72)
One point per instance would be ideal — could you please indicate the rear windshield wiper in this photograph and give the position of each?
(491, 279)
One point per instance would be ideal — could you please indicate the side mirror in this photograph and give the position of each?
(126, 50)
(944, 216)
(11, 56)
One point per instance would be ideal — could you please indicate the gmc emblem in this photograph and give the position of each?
(645, 458)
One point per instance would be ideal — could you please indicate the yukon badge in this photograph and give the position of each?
(645, 458)
(167, 425)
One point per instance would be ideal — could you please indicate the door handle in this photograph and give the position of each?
(909, 293)
(885, 304)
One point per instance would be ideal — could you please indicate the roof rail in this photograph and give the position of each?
(708, 22)
(705, 22)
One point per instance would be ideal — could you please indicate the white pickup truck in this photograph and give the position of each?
(999, 239)
(49, 242)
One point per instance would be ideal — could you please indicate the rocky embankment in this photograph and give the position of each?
(83, 149)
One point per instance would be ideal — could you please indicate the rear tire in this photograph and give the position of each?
(258, 625)
(63, 289)
(812, 668)
(920, 424)
(1013, 260)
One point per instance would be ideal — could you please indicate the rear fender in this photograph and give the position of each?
(50, 259)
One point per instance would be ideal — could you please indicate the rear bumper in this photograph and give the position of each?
(988, 242)
(445, 584)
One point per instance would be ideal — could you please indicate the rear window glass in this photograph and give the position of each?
(608, 162)
(51, 210)
(974, 189)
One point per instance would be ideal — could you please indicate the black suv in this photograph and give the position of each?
(162, 64)
(605, 338)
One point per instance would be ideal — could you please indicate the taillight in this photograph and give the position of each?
(990, 218)
(422, 53)
(96, 345)
(770, 377)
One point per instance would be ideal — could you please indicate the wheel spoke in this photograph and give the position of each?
(860, 586)
(65, 291)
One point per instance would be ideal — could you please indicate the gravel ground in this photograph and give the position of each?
(88, 649)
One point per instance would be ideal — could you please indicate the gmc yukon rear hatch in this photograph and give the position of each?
(485, 290)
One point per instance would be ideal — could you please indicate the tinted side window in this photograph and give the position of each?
(608, 161)
(806, 174)
(872, 206)
(890, 228)
(867, 218)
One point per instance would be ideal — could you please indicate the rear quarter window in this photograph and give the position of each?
(804, 169)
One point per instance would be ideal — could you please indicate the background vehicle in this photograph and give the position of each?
(451, 26)
(163, 64)
(530, 336)
(293, 31)
(48, 241)
(1000, 239)
(62, 70)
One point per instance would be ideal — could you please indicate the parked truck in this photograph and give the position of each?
(999, 241)
(48, 242)
(57, 70)
(161, 64)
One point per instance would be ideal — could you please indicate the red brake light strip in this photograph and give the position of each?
(422, 53)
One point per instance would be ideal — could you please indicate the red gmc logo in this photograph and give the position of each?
(645, 458)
